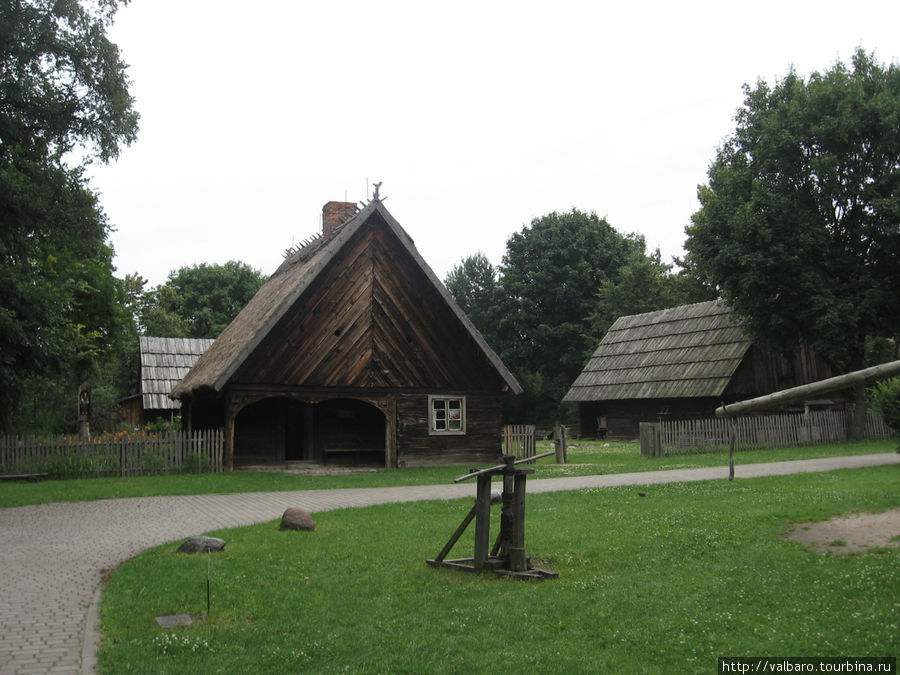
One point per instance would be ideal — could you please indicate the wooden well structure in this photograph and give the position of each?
(507, 557)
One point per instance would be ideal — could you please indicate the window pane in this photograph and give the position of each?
(447, 414)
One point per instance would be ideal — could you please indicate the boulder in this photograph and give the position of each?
(297, 519)
(202, 545)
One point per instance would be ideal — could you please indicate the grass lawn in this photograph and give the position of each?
(585, 458)
(664, 583)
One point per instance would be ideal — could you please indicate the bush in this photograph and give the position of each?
(195, 462)
(68, 465)
(886, 401)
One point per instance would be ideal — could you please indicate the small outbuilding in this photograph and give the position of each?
(680, 363)
(163, 362)
(353, 352)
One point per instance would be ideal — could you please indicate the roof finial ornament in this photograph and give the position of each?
(376, 197)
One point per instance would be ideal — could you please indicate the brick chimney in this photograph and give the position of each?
(335, 214)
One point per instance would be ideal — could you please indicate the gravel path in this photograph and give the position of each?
(53, 555)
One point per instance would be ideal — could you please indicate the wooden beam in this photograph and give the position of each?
(813, 389)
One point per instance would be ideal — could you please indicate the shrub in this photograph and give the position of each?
(68, 465)
(195, 462)
(886, 401)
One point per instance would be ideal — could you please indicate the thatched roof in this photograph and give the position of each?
(287, 285)
(684, 352)
(164, 361)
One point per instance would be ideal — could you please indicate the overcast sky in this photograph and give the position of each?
(476, 116)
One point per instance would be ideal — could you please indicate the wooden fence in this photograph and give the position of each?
(518, 440)
(66, 457)
(755, 432)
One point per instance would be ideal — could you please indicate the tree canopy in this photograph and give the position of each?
(799, 226)
(62, 87)
(564, 278)
(473, 284)
(549, 280)
(198, 301)
(62, 81)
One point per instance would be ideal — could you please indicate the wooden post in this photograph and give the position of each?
(84, 412)
(651, 444)
(560, 444)
(517, 560)
(229, 438)
(506, 510)
(731, 449)
(482, 521)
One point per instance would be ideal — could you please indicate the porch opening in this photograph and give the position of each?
(350, 432)
(337, 432)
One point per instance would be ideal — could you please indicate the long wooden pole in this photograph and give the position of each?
(502, 466)
(813, 389)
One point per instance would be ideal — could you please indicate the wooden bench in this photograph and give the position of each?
(355, 453)
(30, 477)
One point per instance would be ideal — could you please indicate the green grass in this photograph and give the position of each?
(585, 458)
(664, 583)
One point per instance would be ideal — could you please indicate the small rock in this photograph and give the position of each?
(297, 519)
(202, 545)
(642, 494)
(172, 620)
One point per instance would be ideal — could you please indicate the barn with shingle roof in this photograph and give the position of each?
(680, 363)
(163, 362)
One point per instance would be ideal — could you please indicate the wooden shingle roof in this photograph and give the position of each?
(684, 352)
(164, 362)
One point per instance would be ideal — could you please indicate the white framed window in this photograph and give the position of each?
(447, 415)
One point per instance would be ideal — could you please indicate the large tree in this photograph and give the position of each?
(645, 284)
(473, 284)
(549, 279)
(199, 301)
(62, 87)
(799, 226)
(62, 82)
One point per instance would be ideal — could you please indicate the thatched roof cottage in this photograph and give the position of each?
(352, 352)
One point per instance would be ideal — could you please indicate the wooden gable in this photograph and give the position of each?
(371, 319)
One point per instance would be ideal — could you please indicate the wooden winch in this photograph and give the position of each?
(507, 557)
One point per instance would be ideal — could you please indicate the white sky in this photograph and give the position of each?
(477, 116)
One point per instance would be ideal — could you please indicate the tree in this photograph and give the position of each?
(62, 82)
(62, 85)
(886, 400)
(798, 226)
(199, 301)
(645, 284)
(550, 276)
(473, 284)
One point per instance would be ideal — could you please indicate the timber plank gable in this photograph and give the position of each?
(371, 319)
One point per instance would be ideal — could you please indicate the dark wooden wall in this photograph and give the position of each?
(763, 372)
(623, 418)
(480, 445)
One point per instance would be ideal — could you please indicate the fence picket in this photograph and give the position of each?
(518, 440)
(65, 457)
(764, 431)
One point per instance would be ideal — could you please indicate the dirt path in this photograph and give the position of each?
(850, 534)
